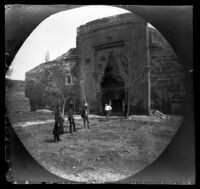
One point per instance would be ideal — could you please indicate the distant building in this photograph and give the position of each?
(39, 83)
(99, 43)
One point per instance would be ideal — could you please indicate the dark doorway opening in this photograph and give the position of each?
(112, 89)
(117, 105)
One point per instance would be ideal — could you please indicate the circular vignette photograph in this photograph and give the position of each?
(95, 93)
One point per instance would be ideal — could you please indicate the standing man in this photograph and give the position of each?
(71, 118)
(85, 114)
(108, 109)
(57, 126)
(62, 123)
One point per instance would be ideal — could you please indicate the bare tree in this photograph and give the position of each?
(131, 71)
(58, 83)
(83, 73)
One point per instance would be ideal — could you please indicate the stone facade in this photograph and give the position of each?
(39, 86)
(167, 74)
(98, 43)
(125, 34)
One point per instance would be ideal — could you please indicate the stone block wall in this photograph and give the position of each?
(167, 78)
(95, 40)
(18, 105)
(124, 34)
(39, 85)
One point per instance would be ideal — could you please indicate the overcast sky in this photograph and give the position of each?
(56, 35)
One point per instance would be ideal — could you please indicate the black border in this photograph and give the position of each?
(19, 153)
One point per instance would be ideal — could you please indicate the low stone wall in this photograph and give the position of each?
(16, 101)
(17, 106)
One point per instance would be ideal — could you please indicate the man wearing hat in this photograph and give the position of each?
(57, 126)
(71, 118)
(85, 114)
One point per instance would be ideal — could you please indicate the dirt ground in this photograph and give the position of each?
(111, 150)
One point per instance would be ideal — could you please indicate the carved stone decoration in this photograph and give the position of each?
(95, 75)
(87, 61)
(100, 66)
(102, 58)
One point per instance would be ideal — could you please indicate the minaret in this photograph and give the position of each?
(47, 56)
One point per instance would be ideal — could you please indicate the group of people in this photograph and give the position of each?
(59, 120)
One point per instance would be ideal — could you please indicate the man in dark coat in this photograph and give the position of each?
(85, 114)
(61, 124)
(57, 126)
(71, 118)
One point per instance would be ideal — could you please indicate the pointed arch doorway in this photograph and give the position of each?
(112, 90)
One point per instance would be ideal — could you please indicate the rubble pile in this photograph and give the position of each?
(155, 116)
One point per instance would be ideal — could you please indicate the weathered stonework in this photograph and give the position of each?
(167, 74)
(39, 85)
(96, 43)
(96, 40)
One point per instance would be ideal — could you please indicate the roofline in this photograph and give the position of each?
(99, 23)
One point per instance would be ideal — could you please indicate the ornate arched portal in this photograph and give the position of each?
(112, 89)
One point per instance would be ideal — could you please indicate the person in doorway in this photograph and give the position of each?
(57, 126)
(108, 109)
(85, 115)
(71, 118)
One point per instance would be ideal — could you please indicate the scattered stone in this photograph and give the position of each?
(157, 113)
(44, 111)
(155, 116)
(76, 175)
(98, 159)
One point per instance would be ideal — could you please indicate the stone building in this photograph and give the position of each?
(100, 42)
(39, 86)
(167, 75)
